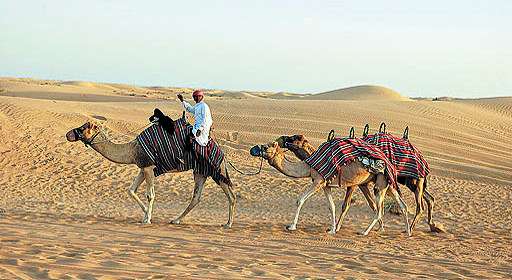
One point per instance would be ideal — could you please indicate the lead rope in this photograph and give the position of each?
(247, 174)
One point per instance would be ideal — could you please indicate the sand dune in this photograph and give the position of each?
(65, 211)
(376, 93)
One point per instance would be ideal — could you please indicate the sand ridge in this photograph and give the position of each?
(67, 214)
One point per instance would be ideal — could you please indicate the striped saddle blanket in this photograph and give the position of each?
(332, 155)
(406, 158)
(167, 151)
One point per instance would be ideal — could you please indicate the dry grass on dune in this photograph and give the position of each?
(65, 211)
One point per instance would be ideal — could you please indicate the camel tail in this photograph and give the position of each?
(229, 182)
(225, 178)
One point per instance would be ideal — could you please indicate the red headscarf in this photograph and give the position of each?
(197, 93)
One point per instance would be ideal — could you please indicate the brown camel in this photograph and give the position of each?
(132, 153)
(350, 175)
(302, 149)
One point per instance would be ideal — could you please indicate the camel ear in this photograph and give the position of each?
(301, 137)
(275, 144)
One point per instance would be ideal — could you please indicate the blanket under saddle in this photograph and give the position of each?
(406, 158)
(167, 151)
(334, 154)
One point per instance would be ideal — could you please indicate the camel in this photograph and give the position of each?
(350, 175)
(301, 147)
(92, 135)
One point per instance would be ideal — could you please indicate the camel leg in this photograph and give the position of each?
(199, 181)
(381, 186)
(418, 195)
(228, 191)
(149, 176)
(403, 207)
(300, 202)
(345, 206)
(332, 209)
(371, 202)
(430, 208)
(133, 191)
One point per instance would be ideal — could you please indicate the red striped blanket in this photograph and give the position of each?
(406, 158)
(332, 155)
(167, 151)
(209, 159)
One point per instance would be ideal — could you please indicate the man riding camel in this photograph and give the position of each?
(208, 153)
(202, 115)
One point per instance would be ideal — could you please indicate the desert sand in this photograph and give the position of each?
(65, 212)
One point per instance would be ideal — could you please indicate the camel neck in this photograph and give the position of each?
(118, 153)
(292, 169)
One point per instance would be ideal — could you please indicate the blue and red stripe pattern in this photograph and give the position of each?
(334, 154)
(165, 149)
(406, 158)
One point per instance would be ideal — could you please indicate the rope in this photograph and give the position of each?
(247, 174)
(110, 139)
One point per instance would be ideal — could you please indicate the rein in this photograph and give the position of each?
(247, 174)
(89, 142)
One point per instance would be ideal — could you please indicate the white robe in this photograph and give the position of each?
(203, 120)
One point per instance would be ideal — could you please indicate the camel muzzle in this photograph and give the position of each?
(71, 136)
(256, 151)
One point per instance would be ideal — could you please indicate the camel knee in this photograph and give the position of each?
(300, 201)
(150, 196)
(195, 201)
(131, 192)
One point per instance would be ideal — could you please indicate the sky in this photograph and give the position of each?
(418, 48)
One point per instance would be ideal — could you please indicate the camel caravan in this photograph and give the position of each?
(381, 161)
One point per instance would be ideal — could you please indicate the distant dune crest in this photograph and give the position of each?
(365, 92)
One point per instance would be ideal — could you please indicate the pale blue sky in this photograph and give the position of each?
(419, 48)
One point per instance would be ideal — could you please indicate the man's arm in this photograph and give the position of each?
(189, 108)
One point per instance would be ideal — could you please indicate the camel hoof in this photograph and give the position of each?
(291, 227)
(331, 231)
(226, 226)
(363, 233)
(437, 228)
(146, 222)
(176, 222)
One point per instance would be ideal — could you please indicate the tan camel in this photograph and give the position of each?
(350, 175)
(302, 149)
(132, 153)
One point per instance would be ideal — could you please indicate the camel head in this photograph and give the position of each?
(267, 151)
(297, 144)
(85, 133)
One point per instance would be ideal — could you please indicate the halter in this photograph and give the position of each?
(80, 136)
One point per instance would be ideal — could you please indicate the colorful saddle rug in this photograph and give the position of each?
(167, 151)
(209, 159)
(406, 158)
(334, 154)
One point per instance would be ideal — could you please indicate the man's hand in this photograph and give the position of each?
(198, 133)
(180, 97)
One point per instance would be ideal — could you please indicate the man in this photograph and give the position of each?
(202, 115)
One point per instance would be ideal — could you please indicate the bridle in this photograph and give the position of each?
(80, 136)
(274, 154)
